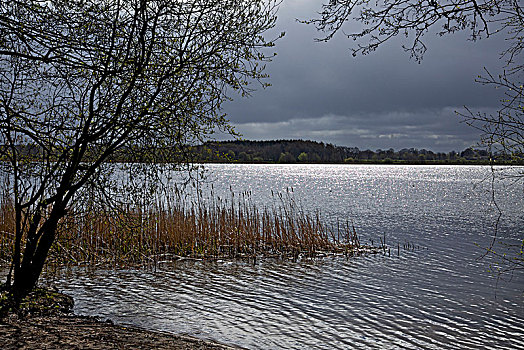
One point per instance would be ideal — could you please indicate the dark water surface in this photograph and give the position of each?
(438, 296)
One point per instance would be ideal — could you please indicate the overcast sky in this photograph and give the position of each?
(321, 92)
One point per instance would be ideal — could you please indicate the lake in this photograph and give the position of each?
(436, 295)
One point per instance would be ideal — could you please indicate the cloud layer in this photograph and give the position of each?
(438, 130)
(381, 100)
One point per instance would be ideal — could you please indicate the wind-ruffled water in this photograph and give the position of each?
(439, 295)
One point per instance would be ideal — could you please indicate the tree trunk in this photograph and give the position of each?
(35, 256)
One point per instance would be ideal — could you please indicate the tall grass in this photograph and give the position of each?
(172, 229)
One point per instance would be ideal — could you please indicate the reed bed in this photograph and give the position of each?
(174, 229)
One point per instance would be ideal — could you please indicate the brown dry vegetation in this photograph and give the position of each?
(170, 230)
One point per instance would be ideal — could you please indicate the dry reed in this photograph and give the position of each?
(212, 229)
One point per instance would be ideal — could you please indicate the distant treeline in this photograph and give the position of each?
(300, 151)
(279, 151)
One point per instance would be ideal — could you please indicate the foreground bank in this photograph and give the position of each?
(75, 332)
(46, 322)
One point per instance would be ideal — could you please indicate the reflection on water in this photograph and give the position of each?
(437, 297)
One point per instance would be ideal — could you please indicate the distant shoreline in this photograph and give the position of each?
(370, 163)
(291, 152)
(312, 152)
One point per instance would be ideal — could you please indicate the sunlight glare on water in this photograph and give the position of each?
(437, 296)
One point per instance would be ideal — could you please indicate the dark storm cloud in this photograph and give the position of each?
(381, 100)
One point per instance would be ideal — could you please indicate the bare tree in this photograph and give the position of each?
(382, 20)
(83, 82)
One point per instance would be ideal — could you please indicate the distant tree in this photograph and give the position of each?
(367, 154)
(303, 157)
(81, 80)
(230, 155)
(244, 157)
(315, 158)
(468, 153)
(286, 157)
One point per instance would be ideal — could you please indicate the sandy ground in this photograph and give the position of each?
(45, 321)
(74, 332)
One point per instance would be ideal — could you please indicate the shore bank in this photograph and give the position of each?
(50, 326)
(76, 332)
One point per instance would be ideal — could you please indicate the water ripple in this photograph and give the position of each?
(436, 296)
